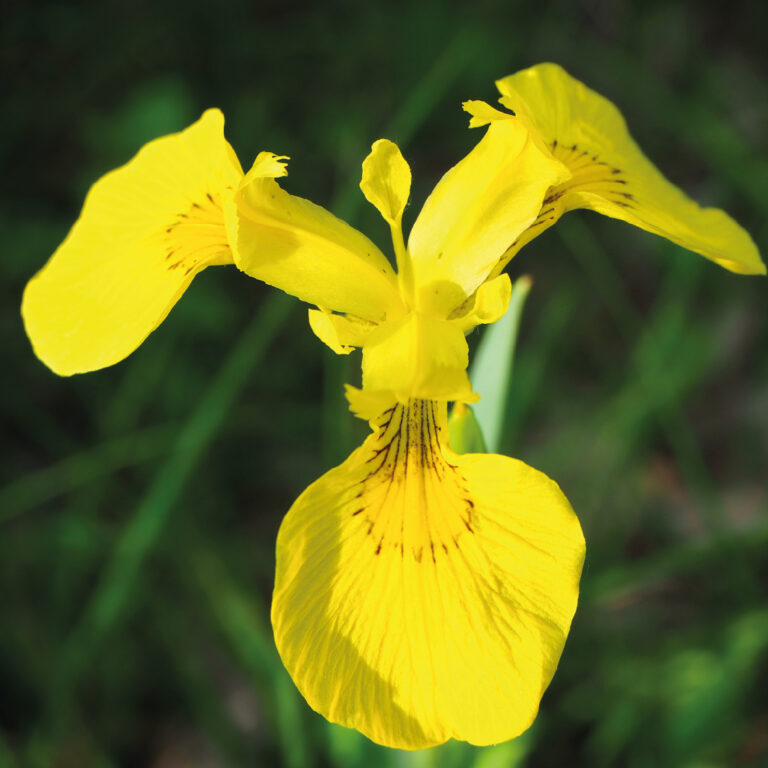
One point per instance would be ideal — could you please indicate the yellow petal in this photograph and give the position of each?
(368, 405)
(421, 595)
(477, 210)
(306, 251)
(489, 304)
(418, 356)
(610, 173)
(386, 181)
(145, 231)
(342, 333)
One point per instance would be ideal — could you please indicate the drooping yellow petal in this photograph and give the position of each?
(305, 250)
(342, 333)
(386, 181)
(477, 210)
(145, 231)
(611, 175)
(421, 595)
(418, 356)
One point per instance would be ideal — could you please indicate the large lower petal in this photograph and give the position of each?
(145, 231)
(611, 175)
(421, 595)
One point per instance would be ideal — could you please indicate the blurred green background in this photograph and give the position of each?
(139, 505)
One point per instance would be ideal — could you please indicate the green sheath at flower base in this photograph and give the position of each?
(465, 433)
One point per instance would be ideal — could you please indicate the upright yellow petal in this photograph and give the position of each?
(477, 210)
(421, 595)
(386, 181)
(145, 231)
(611, 175)
(305, 250)
(418, 356)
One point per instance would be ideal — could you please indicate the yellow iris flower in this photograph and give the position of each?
(420, 595)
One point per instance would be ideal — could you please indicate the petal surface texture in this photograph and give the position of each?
(611, 175)
(305, 250)
(145, 231)
(476, 211)
(421, 595)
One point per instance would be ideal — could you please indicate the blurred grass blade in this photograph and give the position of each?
(707, 554)
(250, 639)
(492, 370)
(348, 748)
(6, 757)
(510, 754)
(144, 528)
(72, 472)
(413, 112)
(432, 87)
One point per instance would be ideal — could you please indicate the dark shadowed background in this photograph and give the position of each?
(139, 505)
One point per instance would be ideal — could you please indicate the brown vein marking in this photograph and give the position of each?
(412, 498)
(589, 172)
(197, 236)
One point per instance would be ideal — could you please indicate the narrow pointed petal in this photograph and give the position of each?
(611, 175)
(421, 595)
(305, 250)
(145, 231)
(386, 181)
(477, 210)
(418, 356)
